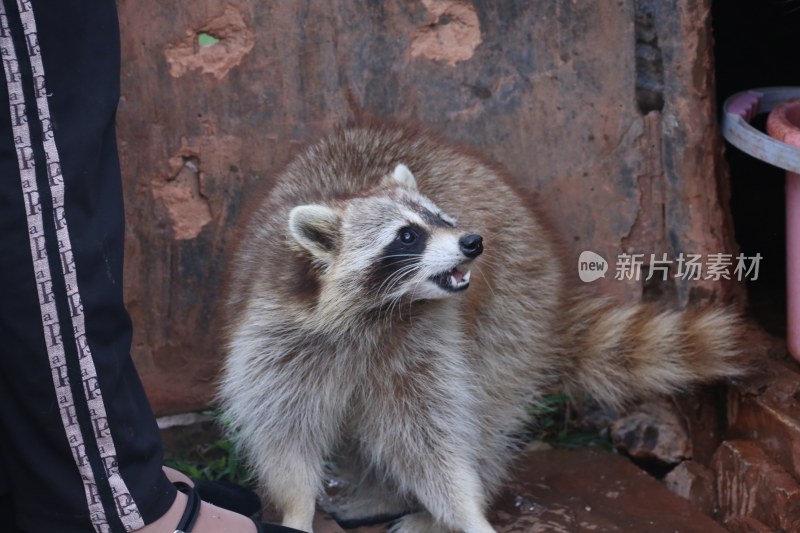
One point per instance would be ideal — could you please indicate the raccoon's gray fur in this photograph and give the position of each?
(350, 334)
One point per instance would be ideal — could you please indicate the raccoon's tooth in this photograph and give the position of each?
(465, 279)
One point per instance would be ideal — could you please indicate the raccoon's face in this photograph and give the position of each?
(392, 244)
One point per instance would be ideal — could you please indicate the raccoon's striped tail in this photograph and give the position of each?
(623, 352)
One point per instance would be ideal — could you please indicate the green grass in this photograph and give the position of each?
(555, 423)
(214, 457)
(215, 461)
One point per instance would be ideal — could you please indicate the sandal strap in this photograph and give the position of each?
(192, 511)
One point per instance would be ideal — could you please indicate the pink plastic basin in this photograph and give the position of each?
(783, 124)
(780, 148)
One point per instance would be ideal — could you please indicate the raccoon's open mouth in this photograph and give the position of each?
(452, 280)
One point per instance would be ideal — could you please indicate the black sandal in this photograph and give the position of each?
(229, 496)
(192, 512)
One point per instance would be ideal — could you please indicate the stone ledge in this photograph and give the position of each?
(739, 524)
(766, 409)
(750, 485)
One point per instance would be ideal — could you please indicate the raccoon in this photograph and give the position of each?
(396, 304)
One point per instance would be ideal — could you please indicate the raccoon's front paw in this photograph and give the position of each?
(416, 523)
(364, 504)
(352, 512)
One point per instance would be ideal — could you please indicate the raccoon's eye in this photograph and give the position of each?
(407, 235)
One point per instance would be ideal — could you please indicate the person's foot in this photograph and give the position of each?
(212, 519)
(231, 496)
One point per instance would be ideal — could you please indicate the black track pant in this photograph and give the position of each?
(79, 447)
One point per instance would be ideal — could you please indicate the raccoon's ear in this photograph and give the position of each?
(314, 227)
(403, 176)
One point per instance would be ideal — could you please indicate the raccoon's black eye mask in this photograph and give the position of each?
(404, 251)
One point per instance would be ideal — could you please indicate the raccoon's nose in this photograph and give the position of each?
(471, 245)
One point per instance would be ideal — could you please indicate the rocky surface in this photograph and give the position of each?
(750, 485)
(757, 471)
(654, 433)
(561, 491)
(696, 483)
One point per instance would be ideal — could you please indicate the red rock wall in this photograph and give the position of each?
(602, 108)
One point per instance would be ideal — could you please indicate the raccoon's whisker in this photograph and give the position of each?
(409, 260)
(391, 282)
(411, 302)
(410, 256)
(489, 285)
(385, 310)
(404, 269)
(393, 279)
(399, 277)
(394, 303)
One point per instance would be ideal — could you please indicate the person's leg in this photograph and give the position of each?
(81, 446)
(6, 503)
